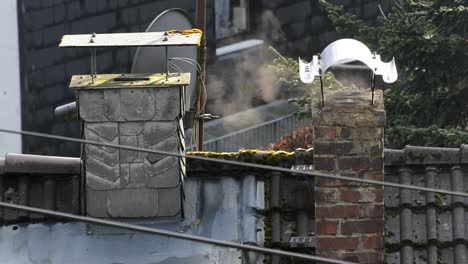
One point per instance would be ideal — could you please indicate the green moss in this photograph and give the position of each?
(413, 156)
(274, 158)
(438, 199)
(391, 213)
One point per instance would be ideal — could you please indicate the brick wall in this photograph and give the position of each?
(46, 69)
(348, 140)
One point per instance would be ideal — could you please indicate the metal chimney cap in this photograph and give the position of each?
(344, 51)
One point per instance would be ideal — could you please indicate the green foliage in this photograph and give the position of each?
(428, 39)
(287, 70)
(400, 136)
(428, 105)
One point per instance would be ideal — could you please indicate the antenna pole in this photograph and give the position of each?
(201, 24)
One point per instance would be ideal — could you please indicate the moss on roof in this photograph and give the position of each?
(252, 156)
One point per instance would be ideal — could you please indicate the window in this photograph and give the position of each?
(231, 17)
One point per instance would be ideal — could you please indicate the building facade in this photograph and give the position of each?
(295, 27)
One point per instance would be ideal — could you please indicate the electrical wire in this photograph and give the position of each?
(195, 64)
(155, 231)
(189, 60)
(239, 163)
(203, 92)
(175, 67)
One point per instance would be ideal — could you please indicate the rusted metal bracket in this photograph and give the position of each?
(207, 116)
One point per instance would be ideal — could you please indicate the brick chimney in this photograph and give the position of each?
(348, 140)
(143, 111)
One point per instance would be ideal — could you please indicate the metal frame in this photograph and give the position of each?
(145, 39)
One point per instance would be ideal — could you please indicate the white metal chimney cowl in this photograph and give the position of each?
(345, 51)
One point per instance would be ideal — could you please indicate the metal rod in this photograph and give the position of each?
(240, 163)
(66, 112)
(201, 24)
(373, 87)
(93, 64)
(321, 90)
(155, 231)
(167, 62)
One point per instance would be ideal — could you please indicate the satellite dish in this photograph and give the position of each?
(151, 60)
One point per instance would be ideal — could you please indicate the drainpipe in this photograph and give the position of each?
(275, 203)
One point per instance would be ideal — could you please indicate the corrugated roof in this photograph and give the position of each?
(40, 181)
(226, 202)
(223, 208)
(426, 227)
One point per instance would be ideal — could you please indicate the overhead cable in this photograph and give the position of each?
(238, 163)
(155, 231)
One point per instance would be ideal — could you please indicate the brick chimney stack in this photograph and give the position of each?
(348, 140)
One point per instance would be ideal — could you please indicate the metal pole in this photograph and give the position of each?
(167, 62)
(66, 112)
(201, 24)
(155, 231)
(37, 164)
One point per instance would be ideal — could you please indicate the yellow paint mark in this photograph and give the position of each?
(189, 32)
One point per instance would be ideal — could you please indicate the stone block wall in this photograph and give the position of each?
(348, 140)
(124, 183)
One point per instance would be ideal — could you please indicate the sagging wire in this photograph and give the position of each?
(204, 94)
(175, 67)
(184, 236)
(188, 60)
(195, 64)
(239, 163)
